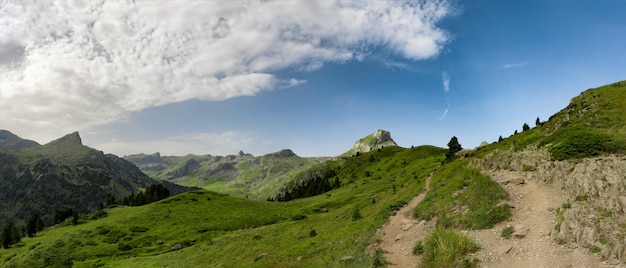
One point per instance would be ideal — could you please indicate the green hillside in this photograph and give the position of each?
(241, 175)
(351, 199)
(594, 123)
(40, 179)
(329, 230)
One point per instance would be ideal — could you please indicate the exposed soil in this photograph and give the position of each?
(402, 231)
(533, 210)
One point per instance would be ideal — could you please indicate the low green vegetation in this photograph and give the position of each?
(204, 228)
(593, 124)
(507, 232)
(240, 175)
(462, 197)
(418, 249)
(446, 248)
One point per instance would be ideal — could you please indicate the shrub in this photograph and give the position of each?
(312, 233)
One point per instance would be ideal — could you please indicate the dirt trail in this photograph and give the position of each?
(533, 216)
(402, 231)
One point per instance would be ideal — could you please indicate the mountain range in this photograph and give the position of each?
(40, 179)
(331, 210)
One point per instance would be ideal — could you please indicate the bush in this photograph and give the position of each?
(312, 233)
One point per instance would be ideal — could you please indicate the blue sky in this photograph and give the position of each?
(135, 78)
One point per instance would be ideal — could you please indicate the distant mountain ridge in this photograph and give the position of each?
(241, 174)
(63, 174)
(10, 141)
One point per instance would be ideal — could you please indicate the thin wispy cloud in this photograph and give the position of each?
(513, 65)
(445, 113)
(445, 78)
(71, 65)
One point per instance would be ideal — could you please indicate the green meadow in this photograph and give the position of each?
(210, 229)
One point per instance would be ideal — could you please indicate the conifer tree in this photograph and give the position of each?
(453, 147)
(537, 122)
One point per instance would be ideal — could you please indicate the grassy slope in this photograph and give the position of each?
(593, 123)
(241, 230)
(247, 179)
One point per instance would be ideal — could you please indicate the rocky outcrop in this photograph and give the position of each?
(376, 140)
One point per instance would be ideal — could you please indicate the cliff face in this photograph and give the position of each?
(376, 140)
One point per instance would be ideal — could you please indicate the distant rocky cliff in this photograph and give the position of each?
(376, 140)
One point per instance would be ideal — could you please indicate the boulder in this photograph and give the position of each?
(520, 231)
(177, 247)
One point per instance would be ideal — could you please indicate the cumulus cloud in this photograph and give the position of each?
(71, 65)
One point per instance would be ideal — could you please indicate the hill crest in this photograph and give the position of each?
(379, 139)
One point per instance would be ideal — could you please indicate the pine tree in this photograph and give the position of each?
(453, 147)
(32, 225)
(10, 235)
(74, 217)
(500, 138)
(537, 122)
(525, 127)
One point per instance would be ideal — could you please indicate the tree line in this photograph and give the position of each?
(12, 234)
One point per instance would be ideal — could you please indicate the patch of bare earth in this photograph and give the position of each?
(398, 236)
(533, 207)
(532, 244)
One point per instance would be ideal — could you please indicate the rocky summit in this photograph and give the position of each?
(376, 140)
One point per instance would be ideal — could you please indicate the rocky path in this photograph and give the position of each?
(534, 207)
(533, 210)
(402, 231)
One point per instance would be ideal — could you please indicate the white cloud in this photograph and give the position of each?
(445, 78)
(513, 65)
(71, 65)
(445, 113)
(197, 143)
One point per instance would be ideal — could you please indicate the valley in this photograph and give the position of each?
(553, 195)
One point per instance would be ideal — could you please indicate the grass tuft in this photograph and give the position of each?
(445, 248)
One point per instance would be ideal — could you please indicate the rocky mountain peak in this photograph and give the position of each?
(72, 138)
(379, 139)
(285, 153)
